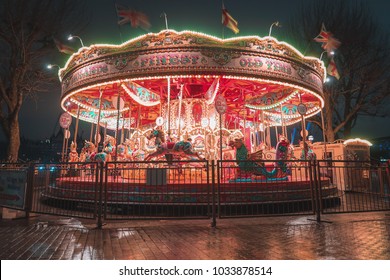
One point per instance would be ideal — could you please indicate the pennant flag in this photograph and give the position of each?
(135, 18)
(63, 48)
(332, 69)
(329, 43)
(229, 21)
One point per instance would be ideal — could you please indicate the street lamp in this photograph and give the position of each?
(50, 66)
(70, 38)
(322, 54)
(277, 24)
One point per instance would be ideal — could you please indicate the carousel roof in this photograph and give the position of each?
(253, 74)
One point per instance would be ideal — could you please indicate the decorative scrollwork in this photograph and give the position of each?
(120, 62)
(220, 57)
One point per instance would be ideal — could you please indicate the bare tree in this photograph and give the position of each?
(362, 61)
(27, 30)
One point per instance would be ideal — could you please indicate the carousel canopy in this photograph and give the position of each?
(259, 77)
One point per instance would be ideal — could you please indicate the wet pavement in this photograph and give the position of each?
(359, 236)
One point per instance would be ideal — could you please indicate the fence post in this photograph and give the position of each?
(316, 179)
(30, 189)
(213, 212)
(100, 166)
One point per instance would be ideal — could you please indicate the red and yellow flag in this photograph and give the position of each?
(229, 21)
(332, 69)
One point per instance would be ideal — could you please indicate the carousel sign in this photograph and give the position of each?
(65, 120)
(185, 62)
(220, 104)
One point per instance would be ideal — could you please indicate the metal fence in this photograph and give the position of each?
(196, 189)
(140, 190)
(65, 189)
(361, 186)
(265, 188)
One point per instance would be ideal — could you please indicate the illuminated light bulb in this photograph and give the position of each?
(213, 123)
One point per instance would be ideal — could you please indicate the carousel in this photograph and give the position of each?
(161, 94)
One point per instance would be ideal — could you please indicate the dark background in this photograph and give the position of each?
(39, 118)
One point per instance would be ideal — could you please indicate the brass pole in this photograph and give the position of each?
(98, 121)
(77, 126)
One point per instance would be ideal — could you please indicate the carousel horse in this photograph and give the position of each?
(73, 155)
(307, 152)
(247, 166)
(109, 147)
(82, 156)
(121, 154)
(130, 148)
(91, 155)
(180, 149)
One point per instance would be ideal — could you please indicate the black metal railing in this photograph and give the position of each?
(157, 189)
(249, 188)
(361, 186)
(65, 189)
(197, 189)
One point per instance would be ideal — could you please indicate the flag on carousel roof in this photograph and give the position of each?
(332, 69)
(229, 21)
(62, 47)
(135, 18)
(329, 43)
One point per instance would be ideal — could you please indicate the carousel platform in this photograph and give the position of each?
(118, 191)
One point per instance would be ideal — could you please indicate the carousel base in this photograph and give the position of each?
(293, 196)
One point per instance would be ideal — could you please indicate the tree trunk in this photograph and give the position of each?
(14, 139)
(328, 118)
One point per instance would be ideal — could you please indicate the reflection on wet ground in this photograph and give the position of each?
(354, 236)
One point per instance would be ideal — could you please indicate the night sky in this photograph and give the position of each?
(39, 118)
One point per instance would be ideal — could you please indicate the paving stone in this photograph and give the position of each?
(362, 236)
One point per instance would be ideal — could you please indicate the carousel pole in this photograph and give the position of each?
(263, 130)
(180, 102)
(269, 135)
(138, 120)
(255, 127)
(91, 134)
(105, 132)
(129, 119)
(325, 156)
(276, 134)
(282, 120)
(303, 124)
(245, 126)
(285, 131)
(63, 146)
(220, 137)
(66, 141)
(118, 102)
(123, 129)
(77, 126)
(98, 121)
(169, 108)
